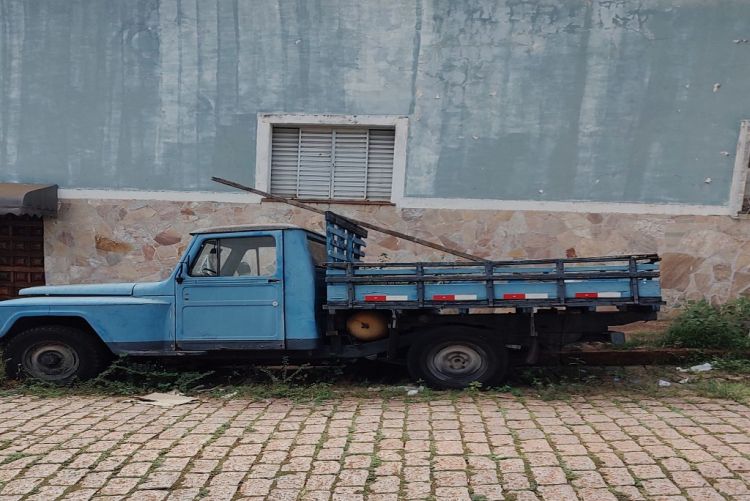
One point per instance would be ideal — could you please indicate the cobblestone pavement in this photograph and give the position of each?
(479, 446)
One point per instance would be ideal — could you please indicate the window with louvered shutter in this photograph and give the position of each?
(345, 163)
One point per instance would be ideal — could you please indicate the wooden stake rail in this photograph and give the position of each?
(364, 224)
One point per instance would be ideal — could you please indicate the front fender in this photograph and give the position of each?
(125, 324)
(10, 314)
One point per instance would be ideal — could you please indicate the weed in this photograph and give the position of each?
(375, 462)
(552, 392)
(427, 394)
(570, 475)
(285, 374)
(219, 431)
(159, 461)
(676, 410)
(390, 392)
(43, 389)
(13, 457)
(516, 392)
(620, 496)
(478, 497)
(106, 455)
(703, 325)
(739, 392)
(316, 392)
(559, 383)
(738, 309)
(125, 377)
(734, 365)
(474, 387)
(642, 340)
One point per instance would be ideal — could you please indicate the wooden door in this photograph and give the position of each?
(21, 254)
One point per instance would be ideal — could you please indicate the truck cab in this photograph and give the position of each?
(248, 288)
(252, 287)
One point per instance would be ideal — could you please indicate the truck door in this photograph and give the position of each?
(232, 295)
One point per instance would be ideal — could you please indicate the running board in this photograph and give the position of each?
(157, 353)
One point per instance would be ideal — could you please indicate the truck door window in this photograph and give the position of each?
(248, 256)
(235, 257)
(207, 263)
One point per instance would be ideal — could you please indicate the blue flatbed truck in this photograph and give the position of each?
(261, 293)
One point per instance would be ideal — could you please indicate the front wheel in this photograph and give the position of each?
(55, 354)
(452, 359)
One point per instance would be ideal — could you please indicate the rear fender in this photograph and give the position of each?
(422, 335)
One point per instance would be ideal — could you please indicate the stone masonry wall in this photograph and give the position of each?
(95, 241)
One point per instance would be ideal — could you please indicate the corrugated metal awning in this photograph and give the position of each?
(28, 199)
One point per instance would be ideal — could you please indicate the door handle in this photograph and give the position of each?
(273, 280)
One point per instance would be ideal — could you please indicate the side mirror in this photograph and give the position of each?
(178, 277)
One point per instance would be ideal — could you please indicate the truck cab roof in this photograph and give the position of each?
(251, 227)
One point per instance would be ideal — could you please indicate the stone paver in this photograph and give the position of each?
(477, 446)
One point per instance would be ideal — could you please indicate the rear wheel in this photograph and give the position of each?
(56, 354)
(455, 358)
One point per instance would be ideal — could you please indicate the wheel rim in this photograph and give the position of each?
(51, 361)
(457, 362)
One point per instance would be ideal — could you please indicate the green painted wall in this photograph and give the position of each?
(608, 100)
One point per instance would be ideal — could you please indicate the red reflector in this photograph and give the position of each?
(374, 298)
(587, 295)
(514, 296)
(443, 297)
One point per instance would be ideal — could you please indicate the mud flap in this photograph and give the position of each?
(532, 358)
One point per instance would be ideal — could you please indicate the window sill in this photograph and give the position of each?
(333, 201)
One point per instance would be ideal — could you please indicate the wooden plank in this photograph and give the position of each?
(364, 224)
(22, 269)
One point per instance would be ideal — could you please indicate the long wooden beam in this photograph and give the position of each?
(364, 224)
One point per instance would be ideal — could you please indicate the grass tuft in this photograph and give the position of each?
(728, 390)
(13, 457)
(733, 365)
(703, 325)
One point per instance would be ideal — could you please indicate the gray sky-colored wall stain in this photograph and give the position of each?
(513, 99)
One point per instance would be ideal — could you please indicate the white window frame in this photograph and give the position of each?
(267, 121)
(740, 188)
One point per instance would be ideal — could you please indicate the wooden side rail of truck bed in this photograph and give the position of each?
(581, 282)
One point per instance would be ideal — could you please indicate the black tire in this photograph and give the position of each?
(455, 357)
(55, 354)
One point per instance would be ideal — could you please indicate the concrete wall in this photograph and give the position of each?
(553, 100)
(532, 100)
